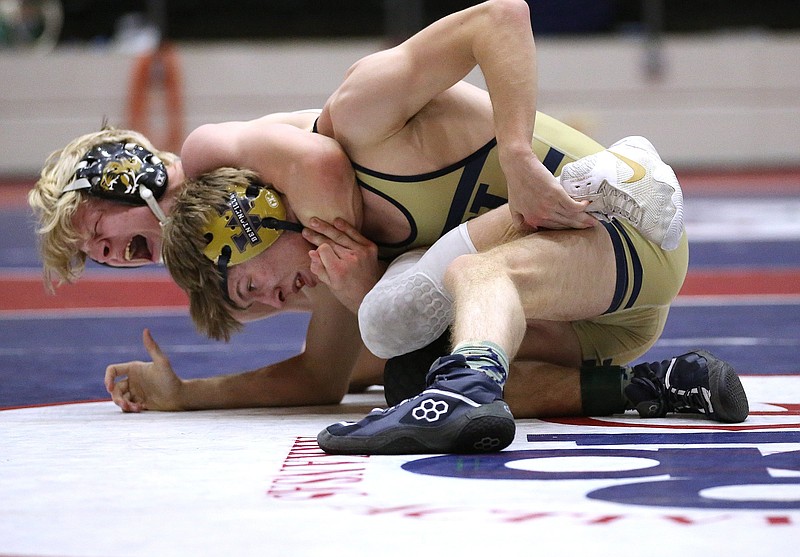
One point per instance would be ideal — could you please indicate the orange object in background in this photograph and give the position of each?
(157, 74)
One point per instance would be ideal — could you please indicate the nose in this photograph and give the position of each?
(271, 297)
(99, 250)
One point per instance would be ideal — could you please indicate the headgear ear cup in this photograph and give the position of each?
(254, 218)
(124, 172)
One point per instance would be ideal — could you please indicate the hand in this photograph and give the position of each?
(344, 260)
(536, 198)
(137, 386)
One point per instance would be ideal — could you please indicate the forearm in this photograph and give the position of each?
(311, 170)
(367, 371)
(282, 384)
(505, 50)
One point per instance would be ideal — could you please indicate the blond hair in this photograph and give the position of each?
(202, 200)
(59, 240)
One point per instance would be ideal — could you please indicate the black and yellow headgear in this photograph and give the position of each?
(254, 218)
(124, 172)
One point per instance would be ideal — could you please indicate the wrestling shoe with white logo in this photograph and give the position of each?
(630, 181)
(697, 382)
(461, 412)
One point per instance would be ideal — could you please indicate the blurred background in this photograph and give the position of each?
(713, 83)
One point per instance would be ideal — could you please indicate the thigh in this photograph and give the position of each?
(493, 228)
(560, 275)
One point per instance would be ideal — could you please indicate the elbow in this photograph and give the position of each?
(333, 162)
(330, 169)
(197, 137)
(340, 110)
(502, 12)
(195, 149)
(345, 106)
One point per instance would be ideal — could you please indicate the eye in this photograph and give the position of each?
(245, 295)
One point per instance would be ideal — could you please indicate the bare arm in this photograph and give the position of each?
(311, 170)
(318, 375)
(388, 89)
(367, 371)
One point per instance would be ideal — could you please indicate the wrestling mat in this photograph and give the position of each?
(87, 480)
(82, 479)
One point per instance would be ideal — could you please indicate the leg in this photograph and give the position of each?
(546, 381)
(409, 307)
(408, 311)
(462, 410)
(551, 275)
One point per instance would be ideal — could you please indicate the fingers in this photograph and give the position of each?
(317, 266)
(131, 402)
(123, 397)
(341, 232)
(580, 220)
(314, 237)
(328, 258)
(518, 219)
(575, 215)
(122, 380)
(562, 222)
(565, 213)
(329, 261)
(110, 379)
(351, 231)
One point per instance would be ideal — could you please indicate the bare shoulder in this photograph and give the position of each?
(216, 135)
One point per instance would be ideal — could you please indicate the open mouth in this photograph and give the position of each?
(137, 249)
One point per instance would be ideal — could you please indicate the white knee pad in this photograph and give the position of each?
(409, 307)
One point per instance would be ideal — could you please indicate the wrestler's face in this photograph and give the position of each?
(122, 235)
(117, 234)
(277, 277)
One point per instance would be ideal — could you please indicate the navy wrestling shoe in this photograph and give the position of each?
(461, 412)
(697, 382)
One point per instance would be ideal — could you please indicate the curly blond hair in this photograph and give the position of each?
(202, 200)
(59, 241)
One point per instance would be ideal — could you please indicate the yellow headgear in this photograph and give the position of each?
(253, 219)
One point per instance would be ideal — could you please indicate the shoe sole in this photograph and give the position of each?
(488, 428)
(674, 232)
(727, 394)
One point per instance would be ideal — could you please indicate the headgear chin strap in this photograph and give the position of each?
(254, 218)
(124, 172)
